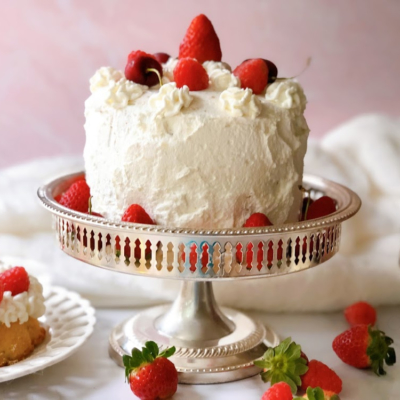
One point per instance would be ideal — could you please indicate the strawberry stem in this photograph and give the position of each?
(156, 72)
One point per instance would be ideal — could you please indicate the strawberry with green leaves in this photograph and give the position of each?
(318, 394)
(150, 374)
(283, 363)
(364, 347)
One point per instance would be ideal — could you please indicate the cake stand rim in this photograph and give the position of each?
(349, 208)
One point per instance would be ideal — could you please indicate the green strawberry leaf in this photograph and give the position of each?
(147, 355)
(168, 352)
(153, 348)
(283, 364)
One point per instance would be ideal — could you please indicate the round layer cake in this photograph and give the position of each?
(197, 159)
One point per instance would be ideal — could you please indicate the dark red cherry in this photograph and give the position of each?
(162, 58)
(137, 70)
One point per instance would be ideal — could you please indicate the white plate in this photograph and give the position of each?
(69, 322)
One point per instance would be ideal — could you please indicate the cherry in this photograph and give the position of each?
(320, 208)
(162, 58)
(138, 70)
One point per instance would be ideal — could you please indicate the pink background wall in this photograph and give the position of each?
(49, 49)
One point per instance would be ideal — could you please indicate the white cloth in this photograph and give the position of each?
(363, 154)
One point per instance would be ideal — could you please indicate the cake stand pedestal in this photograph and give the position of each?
(213, 344)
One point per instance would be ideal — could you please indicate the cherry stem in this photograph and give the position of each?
(308, 62)
(156, 72)
(90, 205)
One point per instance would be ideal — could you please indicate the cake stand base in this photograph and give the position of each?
(212, 345)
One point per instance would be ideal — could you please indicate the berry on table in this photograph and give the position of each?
(14, 280)
(279, 391)
(320, 375)
(253, 74)
(140, 68)
(162, 58)
(150, 374)
(77, 196)
(364, 347)
(325, 205)
(200, 41)
(283, 363)
(191, 73)
(360, 313)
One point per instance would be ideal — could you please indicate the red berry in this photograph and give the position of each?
(257, 220)
(320, 208)
(151, 376)
(77, 197)
(272, 70)
(320, 375)
(57, 198)
(1, 291)
(253, 74)
(279, 391)
(363, 347)
(15, 280)
(360, 313)
(136, 214)
(191, 73)
(162, 58)
(201, 42)
(137, 68)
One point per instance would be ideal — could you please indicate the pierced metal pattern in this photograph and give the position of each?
(198, 254)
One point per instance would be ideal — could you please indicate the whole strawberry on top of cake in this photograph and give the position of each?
(194, 143)
(21, 304)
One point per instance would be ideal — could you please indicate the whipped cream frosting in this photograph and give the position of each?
(170, 100)
(200, 168)
(240, 102)
(23, 305)
(287, 94)
(220, 76)
(168, 68)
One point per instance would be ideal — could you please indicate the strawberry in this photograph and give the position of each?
(77, 196)
(253, 74)
(200, 41)
(283, 363)
(15, 280)
(150, 374)
(279, 391)
(318, 394)
(321, 375)
(136, 214)
(364, 347)
(257, 220)
(191, 73)
(325, 205)
(360, 313)
(1, 291)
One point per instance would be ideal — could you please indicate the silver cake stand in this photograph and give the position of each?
(213, 344)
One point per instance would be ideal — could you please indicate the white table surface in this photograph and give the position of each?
(90, 374)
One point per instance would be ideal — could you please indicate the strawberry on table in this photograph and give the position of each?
(253, 74)
(150, 374)
(318, 394)
(191, 73)
(364, 347)
(320, 375)
(200, 41)
(14, 280)
(279, 391)
(360, 313)
(77, 196)
(283, 363)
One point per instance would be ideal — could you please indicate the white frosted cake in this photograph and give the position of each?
(198, 159)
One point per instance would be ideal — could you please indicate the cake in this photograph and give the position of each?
(21, 304)
(196, 158)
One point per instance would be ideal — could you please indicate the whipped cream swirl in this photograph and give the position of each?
(287, 94)
(220, 76)
(23, 305)
(110, 87)
(240, 102)
(170, 100)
